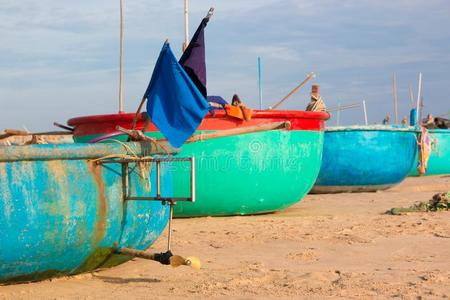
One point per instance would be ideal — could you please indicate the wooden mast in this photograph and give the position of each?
(121, 59)
(186, 25)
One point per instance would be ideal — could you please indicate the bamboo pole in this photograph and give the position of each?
(63, 126)
(186, 25)
(13, 132)
(411, 95)
(259, 82)
(394, 92)
(308, 77)
(338, 115)
(136, 115)
(365, 112)
(343, 107)
(217, 134)
(418, 99)
(239, 130)
(121, 59)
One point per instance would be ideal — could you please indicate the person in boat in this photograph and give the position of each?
(405, 121)
(429, 122)
(236, 101)
(238, 109)
(386, 120)
(316, 103)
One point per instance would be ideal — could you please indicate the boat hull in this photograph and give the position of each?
(242, 174)
(439, 162)
(252, 173)
(365, 159)
(62, 214)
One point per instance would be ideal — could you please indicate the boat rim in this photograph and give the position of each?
(393, 128)
(274, 114)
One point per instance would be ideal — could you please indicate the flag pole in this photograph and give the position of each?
(259, 83)
(186, 25)
(121, 59)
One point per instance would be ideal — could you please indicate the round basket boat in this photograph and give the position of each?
(365, 158)
(240, 174)
(63, 214)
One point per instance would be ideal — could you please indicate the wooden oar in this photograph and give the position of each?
(166, 258)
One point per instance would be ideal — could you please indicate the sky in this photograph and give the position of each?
(60, 59)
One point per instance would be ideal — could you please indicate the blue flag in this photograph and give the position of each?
(174, 103)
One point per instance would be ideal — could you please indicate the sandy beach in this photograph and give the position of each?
(327, 246)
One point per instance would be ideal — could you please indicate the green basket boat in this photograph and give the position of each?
(242, 174)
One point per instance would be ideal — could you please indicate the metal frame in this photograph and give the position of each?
(158, 161)
(171, 201)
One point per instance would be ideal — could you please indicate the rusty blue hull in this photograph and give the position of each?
(62, 214)
(365, 158)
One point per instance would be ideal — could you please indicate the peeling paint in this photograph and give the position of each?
(62, 216)
(101, 217)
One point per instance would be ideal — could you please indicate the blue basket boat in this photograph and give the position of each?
(365, 158)
(62, 213)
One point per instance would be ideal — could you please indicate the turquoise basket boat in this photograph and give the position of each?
(439, 162)
(252, 173)
(365, 158)
(63, 214)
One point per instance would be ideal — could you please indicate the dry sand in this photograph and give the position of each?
(328, 246)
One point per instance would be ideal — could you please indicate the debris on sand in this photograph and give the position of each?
(438, 202)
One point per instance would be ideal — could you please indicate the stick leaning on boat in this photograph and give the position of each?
(138, 135)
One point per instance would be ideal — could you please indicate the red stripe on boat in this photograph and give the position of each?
(300, 120)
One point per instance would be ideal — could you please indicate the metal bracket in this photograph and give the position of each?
(157, 161)
(171, 201)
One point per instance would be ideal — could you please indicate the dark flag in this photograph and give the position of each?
(193, 58)
(174, 104)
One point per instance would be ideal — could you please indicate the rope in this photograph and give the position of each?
(316, 104)
(144, 167)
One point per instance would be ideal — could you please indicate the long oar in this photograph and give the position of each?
(308, 78)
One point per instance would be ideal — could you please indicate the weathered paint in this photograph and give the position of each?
(365, 158)
(439, 162)
(61, 214)
(243, 174)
